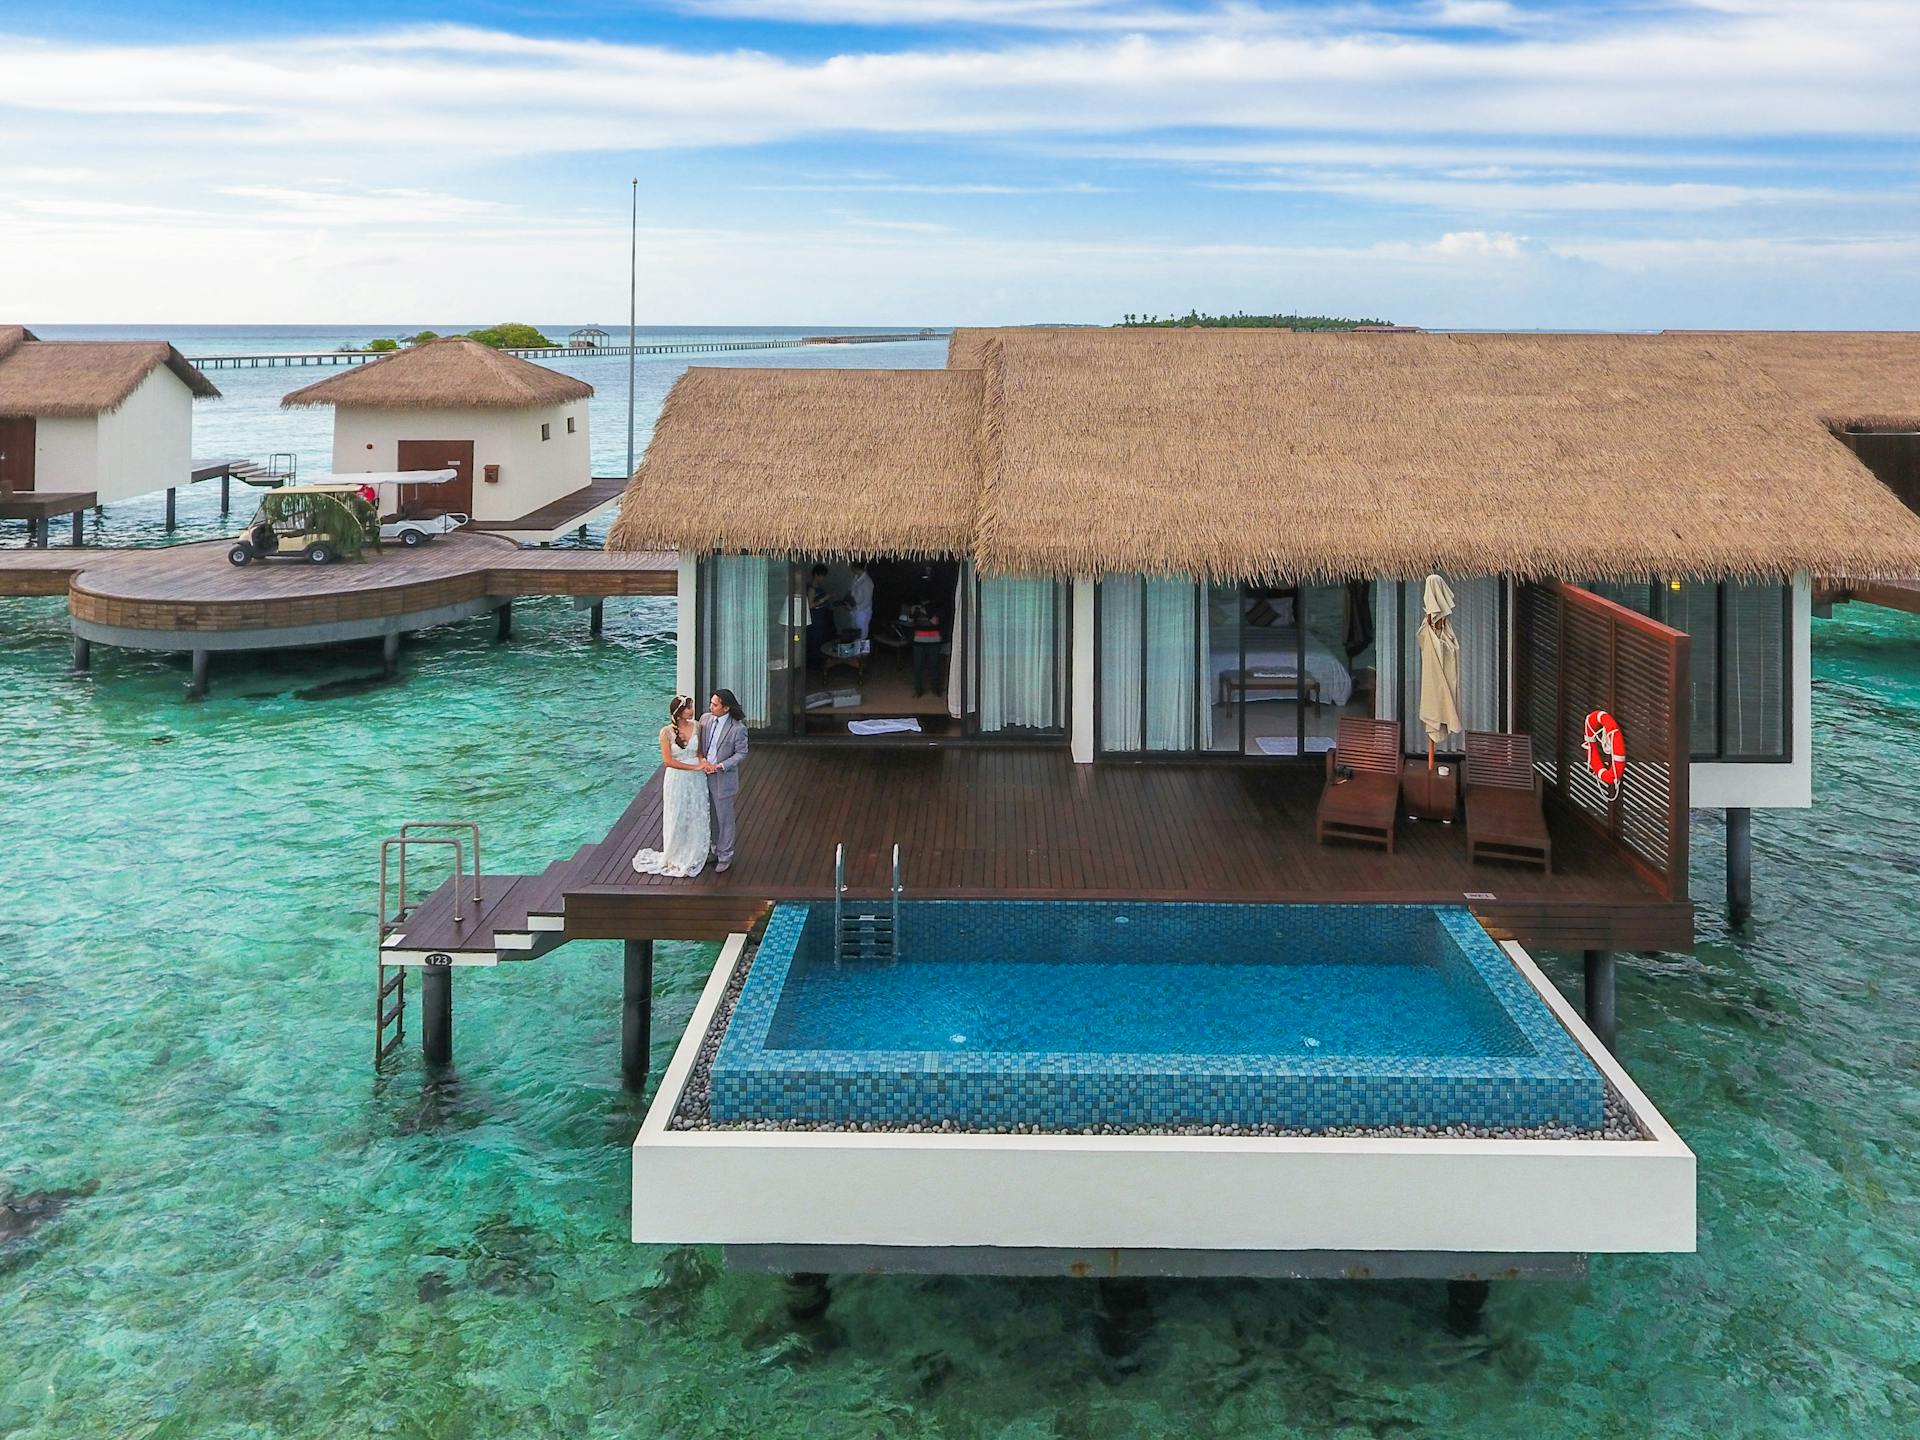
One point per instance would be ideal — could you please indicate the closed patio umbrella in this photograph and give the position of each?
(1439, 667)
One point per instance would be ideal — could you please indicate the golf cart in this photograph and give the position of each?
(413, 530)
(318, 523)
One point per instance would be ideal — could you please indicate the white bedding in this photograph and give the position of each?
(1277, 652)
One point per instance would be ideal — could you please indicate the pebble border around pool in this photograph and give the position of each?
(690, 1111)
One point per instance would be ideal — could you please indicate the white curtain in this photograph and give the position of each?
(742, 627)
(1476, 620)
(1174, 701)
(1120, 665)
(1019, 654)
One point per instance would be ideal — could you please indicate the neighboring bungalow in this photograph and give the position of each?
(89, 422)
(516, 432)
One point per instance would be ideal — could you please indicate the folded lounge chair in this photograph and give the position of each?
(1365, 806)
(1504, 817)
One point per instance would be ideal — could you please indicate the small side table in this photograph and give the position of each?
(1430, 794)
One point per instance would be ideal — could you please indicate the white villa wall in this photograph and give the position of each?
(532, 471)
(1085, 670)
(66, 453)
(686, 639)
(1760, 786)
(147, 444)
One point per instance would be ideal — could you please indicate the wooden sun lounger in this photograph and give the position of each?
(1504, 816)
(1365, 807)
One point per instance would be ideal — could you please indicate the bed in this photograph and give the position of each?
(1274, 654)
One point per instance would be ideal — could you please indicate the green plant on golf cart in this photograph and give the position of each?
(310, 523)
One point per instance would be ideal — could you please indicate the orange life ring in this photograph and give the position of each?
(1606, 748)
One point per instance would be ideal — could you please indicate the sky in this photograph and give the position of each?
(1464, 163)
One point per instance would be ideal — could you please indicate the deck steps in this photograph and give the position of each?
(519, 917)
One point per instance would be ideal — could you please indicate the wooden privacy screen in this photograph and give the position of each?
(1575, 652)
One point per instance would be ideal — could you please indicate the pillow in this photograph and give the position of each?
(1269, 613)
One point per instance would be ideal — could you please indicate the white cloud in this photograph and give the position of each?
(473, 91)
(1602, 196)
(1480, 244)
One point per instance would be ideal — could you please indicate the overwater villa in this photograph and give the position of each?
(1053, 945)
(514, 433)
(88, 422)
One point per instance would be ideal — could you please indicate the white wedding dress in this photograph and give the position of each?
(686, 828)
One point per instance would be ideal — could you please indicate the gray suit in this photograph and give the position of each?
(729, 755)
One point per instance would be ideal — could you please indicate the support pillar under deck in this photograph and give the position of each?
(170, 508)
(390, 653)
(226, 492)
(1739, 866)
(596, 617)
(37, 533)
(1600, 1013)
(79, 527)
(82, 654)
(636, 1014)
(436, 1015)
(197, 686)
(503, 617)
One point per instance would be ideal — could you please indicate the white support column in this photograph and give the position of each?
(686, 636)
(1085, 671)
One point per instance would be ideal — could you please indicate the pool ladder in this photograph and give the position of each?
(859, 932)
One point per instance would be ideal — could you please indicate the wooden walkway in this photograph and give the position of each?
(568, 511)
(988, 821)
(1903, 595)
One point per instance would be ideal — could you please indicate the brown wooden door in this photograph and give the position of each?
(17, 440)
(437, 455)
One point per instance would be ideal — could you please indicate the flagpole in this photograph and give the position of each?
(633, 290)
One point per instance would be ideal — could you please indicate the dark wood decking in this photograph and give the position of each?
(569, 510)
(45, 504)
(974, 822)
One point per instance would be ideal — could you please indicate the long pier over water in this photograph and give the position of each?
(562, 352)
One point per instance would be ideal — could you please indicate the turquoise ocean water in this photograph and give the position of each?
(222, 1226)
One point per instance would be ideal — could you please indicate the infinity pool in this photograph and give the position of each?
(1067, 1015)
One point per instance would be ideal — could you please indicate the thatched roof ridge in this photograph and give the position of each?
(1275, 456)
(1270, 456)
(1849, 379)
(841, 463)
(69, 379)
(451, 373)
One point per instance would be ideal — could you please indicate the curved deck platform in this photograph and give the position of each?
(189, 597)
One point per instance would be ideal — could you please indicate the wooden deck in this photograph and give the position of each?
(1903, 595)
(976, 822)
(563, 514)
(192, 590)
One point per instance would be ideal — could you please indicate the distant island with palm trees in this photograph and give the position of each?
(1240, 320)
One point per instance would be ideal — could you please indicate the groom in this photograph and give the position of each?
(723, 749)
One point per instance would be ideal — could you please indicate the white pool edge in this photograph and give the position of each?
(1161, 1192)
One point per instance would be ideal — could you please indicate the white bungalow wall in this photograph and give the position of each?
(144, 446)
(532, 471)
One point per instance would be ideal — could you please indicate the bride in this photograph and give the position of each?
(685, 827)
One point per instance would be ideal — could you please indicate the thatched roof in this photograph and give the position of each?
(1849, 379)
(846, 463)
(1273, 456)
(452, 373)
(65, 379)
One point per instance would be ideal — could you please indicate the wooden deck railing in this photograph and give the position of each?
(1575, 653)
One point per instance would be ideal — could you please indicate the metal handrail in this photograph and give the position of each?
(839, 894)
(467, 825)
(896, 901)
(403, 841)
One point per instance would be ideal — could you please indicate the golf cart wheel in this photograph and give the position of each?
(240, 554)
(320, 554)
(413, 539)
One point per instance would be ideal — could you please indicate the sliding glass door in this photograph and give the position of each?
(747, 641)
(1228, 669)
